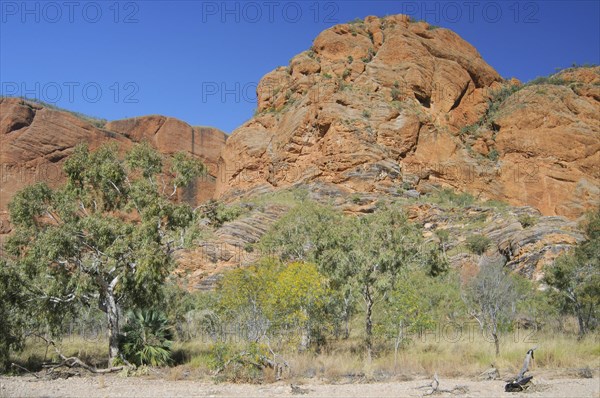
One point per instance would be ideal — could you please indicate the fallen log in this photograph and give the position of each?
(520, 382)
(435, 388)
(71, 362)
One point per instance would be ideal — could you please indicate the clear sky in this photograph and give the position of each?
(200, 61)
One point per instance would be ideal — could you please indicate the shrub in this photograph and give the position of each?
(369, 56)
(553, 80)
(527, 220)
(396, 94)
(346, 73)
(146, 338)
(350, 59)
(406, 185)
(450, 197)
(478, 244)
(218, 213)
(493, 155)
(366, 114)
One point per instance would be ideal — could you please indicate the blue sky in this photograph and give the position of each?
(200, 61)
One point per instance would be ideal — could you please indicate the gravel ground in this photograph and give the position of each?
(115, 386)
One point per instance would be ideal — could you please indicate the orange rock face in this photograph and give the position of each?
(170, 136)
(387, 101)
(35, 140)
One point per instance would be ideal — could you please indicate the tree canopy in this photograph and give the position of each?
(106, 236)
(575, 276)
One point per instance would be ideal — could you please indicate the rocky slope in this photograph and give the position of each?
(520, 238)
(35, 140)
(388, 102)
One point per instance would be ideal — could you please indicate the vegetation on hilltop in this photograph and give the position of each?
(95, 121)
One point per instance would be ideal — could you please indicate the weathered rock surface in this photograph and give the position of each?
(35, 140)
(521, 238)
(230, 247)
(381, 102)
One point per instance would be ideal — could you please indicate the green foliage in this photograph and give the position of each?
(407, 310)
(106, 237)
(270, 297)
(497, 99)
(184, 169)
(493, 155)
(366, 113)
(477, 243)
(303, 233)
(147, 338)
(396, 94)
(345, 86)
(491, 298)
(12, 305)
(239, 364)
(553, 80)
(450, 197)
(350, 59)
(434, 261)
(369, 254)
(369, 57)
(219, 213)
(534, 305)
(443, 235)
(575, 276)
(360, 255)
(327, 75)
(417, 303)
(177, 305)
(143, 158)
(527, 220)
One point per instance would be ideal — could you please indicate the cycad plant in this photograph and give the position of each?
(147, 338)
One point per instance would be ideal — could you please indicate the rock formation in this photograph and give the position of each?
(36, 139)
(380, 109)
(377, 104)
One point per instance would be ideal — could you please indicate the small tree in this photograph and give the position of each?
(406, 311)
(368, 256)
(491, 299)
(269, 297)
(12, 304)
(478, 244)
(108, 235)
(576, 278)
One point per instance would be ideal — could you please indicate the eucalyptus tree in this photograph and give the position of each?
(575, 278)
(369, 256)
(12, 301)
(491, 298)
(363, 256)
(108, 235)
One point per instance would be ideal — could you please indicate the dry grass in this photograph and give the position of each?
(465, 358)
(35, 352)
(343, 359)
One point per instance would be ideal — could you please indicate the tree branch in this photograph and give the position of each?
(72, 362)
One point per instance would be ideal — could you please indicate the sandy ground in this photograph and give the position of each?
(115, 386)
